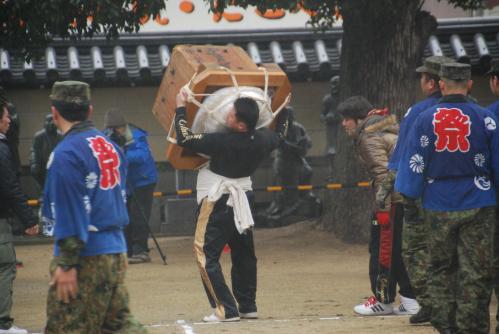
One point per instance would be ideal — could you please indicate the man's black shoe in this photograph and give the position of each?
(422, 316)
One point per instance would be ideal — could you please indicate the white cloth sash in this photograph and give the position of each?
(213, 186)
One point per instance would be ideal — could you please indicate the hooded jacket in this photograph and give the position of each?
(375, 141)
(141, 165)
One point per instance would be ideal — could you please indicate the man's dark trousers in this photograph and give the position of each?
(216, 228)
(139, 211)
(398, 271)
(7, 273)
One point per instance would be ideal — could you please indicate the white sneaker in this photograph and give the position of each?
(408, 306)
(13, 330)
(249, 315)
(373, 307)
(214, 318)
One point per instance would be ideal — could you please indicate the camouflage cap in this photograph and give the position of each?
(494, 67)
(432, 64)
(455, 71)
(71, 91)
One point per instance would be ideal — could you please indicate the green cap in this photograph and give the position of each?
(455, 71)
(71, 91)
(432, 64)
(494, 67)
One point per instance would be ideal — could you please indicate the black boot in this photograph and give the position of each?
(422, 316)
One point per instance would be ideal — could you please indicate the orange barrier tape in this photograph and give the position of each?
(184, 192)
(301, 187)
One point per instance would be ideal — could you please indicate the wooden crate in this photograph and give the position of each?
(205, 60)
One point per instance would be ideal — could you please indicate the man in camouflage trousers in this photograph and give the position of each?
(451, 162)
(12, 203)
(415, 229)
(84, 209)
(494, 107)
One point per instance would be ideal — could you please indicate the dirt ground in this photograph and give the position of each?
(308, 282)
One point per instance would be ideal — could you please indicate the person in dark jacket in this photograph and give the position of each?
(44, 143)
(141, 181)
(12, 201)
(13, 137)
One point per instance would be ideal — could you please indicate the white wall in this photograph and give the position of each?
(442, 9)
(136, 103)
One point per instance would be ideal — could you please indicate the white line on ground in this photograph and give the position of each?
(184, 323)
(185, 326)
(269, 320)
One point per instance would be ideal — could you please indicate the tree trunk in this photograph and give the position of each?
(383, 42)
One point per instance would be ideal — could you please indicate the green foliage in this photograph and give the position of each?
(325, 11)
(466, 4)
(28, 25)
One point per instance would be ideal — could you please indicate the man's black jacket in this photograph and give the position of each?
(12, 200)
(232, 154)
(44, 143)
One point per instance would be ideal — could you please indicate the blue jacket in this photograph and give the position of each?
(141, 166)
(451, 157)
(494, 107)
(406, 124)
(85, 195)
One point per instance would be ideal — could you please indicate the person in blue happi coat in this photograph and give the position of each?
(451, 162)
(494, 107)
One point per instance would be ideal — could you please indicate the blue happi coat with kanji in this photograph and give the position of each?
(451, 157)
(85, 195)
(406, 124)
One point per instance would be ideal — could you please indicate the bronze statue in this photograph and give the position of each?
(330, 116)
(290, 169)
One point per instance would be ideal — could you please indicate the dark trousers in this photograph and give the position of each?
(215, 228)
(139, 211)
(398, 273)
(7, 273)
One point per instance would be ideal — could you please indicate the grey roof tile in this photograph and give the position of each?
(474, 40)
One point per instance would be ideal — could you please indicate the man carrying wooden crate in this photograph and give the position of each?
(224, 194)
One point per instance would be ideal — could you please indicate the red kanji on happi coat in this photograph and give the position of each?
(109, 162)
(452, 128)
